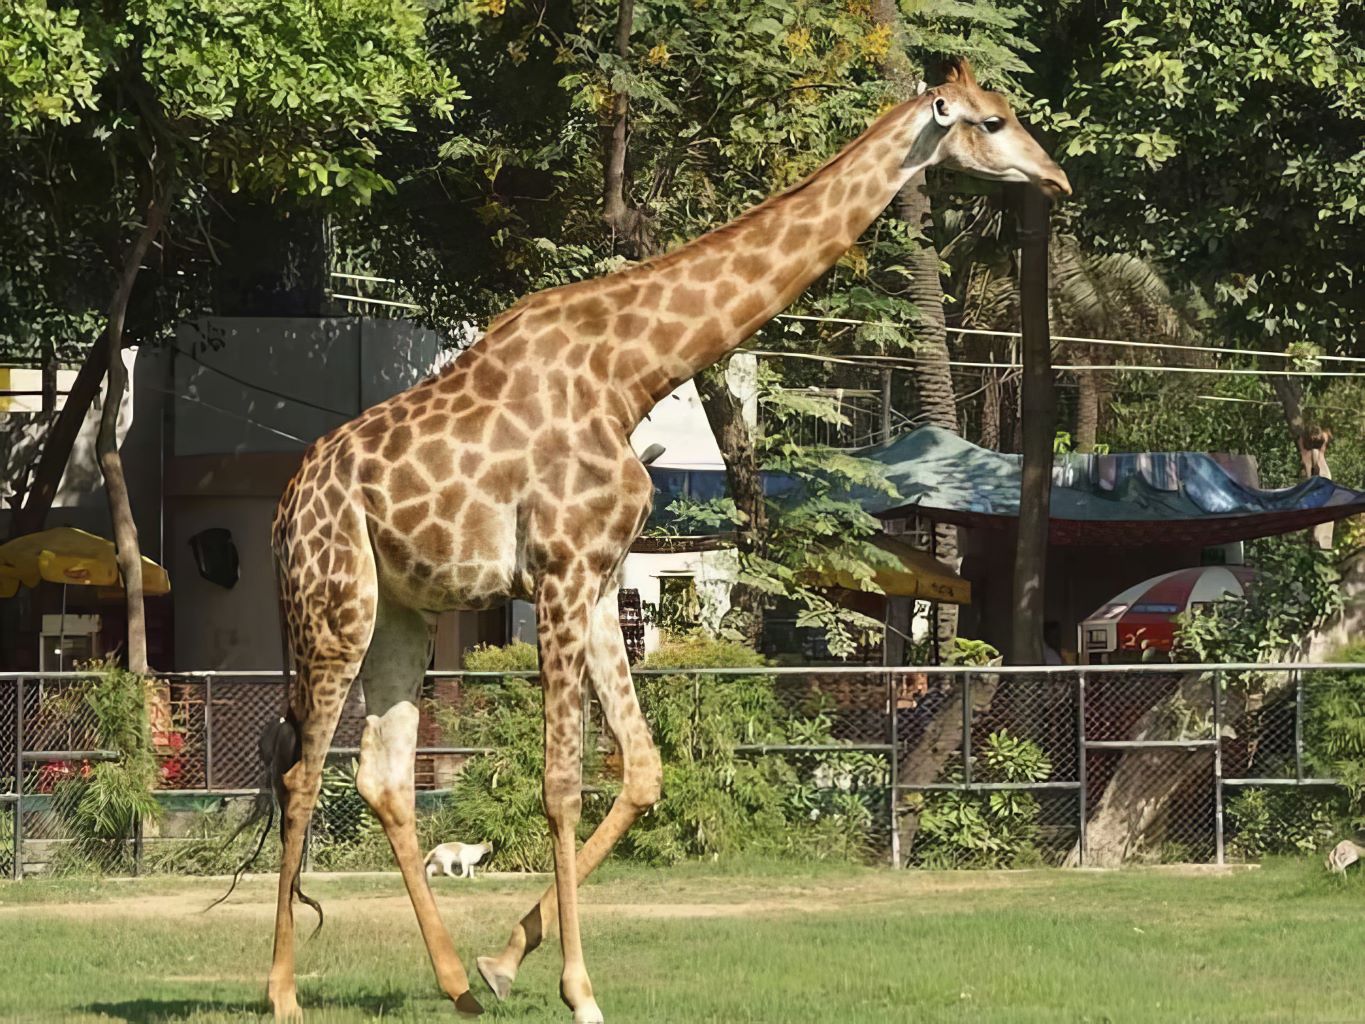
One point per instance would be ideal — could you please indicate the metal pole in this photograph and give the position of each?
(18, 866)
(1218, 766)
(1298, 726)
(886, 407)
(895, 756)
(137, 845)
(967, 729)
(208, 734)
(61, 634)
(936, 655)
(1081, 766)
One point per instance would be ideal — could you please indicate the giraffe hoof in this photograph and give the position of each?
(500, 983)
(285, 1007)
(466, 1005)
(588, 1013)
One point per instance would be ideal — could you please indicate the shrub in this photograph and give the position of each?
(346, 835)
(209, 846)
(1334, 722)
(1290, 820)
(99, 805)
(716, 801)
(498, 797)
(991, 830)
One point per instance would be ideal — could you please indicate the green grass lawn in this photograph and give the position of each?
(748, 943)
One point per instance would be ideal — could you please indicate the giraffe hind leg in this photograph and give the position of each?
(392, 679)
(327, 682)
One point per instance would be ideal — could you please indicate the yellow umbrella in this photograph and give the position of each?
(69, 556)
(919, 575)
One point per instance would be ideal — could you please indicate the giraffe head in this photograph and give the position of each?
(981, 136)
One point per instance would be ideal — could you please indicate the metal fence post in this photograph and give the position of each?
(1081, 767)
(894, 768)
(1217, 678)
(137, 845)
(208, 734)
(1298, 726)
(966, 729)
(17, 869)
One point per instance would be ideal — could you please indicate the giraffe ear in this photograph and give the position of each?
(959, 72)
(945, 112)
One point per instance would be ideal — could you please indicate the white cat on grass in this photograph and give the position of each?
(444, 858)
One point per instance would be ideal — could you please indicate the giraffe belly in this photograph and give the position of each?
(460, 586)
(443, 568)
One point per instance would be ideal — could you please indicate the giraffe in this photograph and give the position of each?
(510, 475)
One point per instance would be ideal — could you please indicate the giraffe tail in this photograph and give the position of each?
(278, 750)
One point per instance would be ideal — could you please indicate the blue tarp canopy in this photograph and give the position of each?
(1146, 498)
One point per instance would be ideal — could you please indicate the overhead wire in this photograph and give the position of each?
(1076, 339)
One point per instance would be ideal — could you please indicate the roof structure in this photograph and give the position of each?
(1128, 500)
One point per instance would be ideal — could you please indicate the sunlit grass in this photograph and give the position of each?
(724, 943)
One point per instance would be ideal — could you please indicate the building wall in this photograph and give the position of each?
(216, 627)
(265, 384)
(679, 424)
(712, 572)
(251, 393)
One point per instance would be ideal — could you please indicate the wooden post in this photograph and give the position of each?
(1038, 412)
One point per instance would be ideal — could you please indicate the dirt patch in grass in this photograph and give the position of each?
(625, 898)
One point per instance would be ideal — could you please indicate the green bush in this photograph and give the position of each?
(346, 835)
(209, 847)
(1287, 820)
(1334, 722)
(100, 807)
(990, 830)
(498, 797)
(716, 801)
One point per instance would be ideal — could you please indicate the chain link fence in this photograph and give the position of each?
(930, 768)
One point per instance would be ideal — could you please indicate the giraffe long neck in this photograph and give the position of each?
(715, 292)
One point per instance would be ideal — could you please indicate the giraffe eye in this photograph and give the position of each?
(993, 124)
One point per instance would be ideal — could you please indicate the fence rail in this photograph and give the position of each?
(1099, 765)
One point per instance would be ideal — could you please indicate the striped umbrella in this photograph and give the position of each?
(1142, 618)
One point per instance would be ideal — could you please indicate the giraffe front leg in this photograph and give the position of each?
(563, 623)
(609, 671)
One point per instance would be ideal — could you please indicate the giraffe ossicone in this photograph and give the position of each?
(510, 475)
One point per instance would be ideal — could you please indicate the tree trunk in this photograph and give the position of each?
(990, 412)
(725, 413)
(629, 226)
(932, 374)
(61, 438)
(1129, 818)
(49, 357)
(1037, 410)
(1311, 442)
(941, 738)
(106, 444)
(1087, 410)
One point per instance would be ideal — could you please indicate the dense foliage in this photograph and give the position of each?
(100, 804)
(993, 830)
(717, 800)
(1295, 590)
